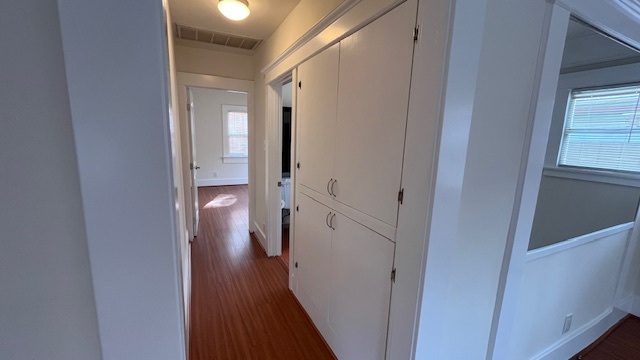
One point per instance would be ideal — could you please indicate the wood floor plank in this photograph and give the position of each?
(241, 307)
(621, 343)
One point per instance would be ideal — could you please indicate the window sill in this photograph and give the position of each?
(606, 177)
(235, 160)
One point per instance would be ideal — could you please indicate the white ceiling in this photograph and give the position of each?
(586, 47)
(265, 16)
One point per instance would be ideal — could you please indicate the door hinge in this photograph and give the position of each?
(189, 107)
(300, 84)
(296, 265)
(297, 209)
(393, 275)
(298, 165)
(416, 33)
(279, 183)
(401, 195)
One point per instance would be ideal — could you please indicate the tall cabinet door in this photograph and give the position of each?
(312, 253)
(316, 116)
(375, 72)
(360, 291)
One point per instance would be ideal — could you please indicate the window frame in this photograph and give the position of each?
(625, 174)
(227, 156)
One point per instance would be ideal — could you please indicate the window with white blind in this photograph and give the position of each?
(602, 129)
(236, 133)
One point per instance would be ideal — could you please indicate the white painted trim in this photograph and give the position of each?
(235, 159)
(292, 176)
(262, 238)
(534, 151)
(584, 336)
(635, 306)
(273, 166)
(221, 181)
(606, 177)
(314, 31)
(358, 16)
(626, 304)
(576, 241)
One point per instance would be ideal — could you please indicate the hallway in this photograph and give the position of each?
(241, 307)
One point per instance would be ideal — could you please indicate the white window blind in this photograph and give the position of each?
(236, 131)
(602, 129)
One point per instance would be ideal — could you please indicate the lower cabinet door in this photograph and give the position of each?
(359, 291)
(312, 253)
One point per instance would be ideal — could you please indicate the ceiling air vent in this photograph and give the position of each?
(214, 37)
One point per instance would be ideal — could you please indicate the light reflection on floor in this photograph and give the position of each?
(222, 200)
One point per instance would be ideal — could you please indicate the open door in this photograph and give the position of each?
(193, 165)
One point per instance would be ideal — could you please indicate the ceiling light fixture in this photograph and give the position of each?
(234, 9)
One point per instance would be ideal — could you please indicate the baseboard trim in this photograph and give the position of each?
(583, 337)
(635, 306)
(223, 181)
(262, 238)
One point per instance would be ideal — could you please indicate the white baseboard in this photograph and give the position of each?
(262, 238)
(635, 306)
(626, 304)
(222, 181)
(583, 337)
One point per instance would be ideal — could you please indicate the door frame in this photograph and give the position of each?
(187, 80)
(612, 21)
(274, 164)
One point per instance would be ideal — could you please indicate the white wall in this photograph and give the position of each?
(501, 110)
(121, 123)
(207, 113)
(47, 308)
(212, 62)
(580, 281)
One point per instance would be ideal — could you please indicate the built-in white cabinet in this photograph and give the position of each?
(352, 101)
(373, 98)
(352, 111)
(316, 103)
(344, 280)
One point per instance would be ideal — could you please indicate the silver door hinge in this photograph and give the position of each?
(400, 196)
(393, 275)
(416, 33)
(189, 107)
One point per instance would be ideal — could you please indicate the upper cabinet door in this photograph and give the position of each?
(316, 116)
(373, 97)
(360, 291)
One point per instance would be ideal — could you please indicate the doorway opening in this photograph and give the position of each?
(285, 202)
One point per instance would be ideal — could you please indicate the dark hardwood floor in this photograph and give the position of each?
(241, 306)
(622, 342)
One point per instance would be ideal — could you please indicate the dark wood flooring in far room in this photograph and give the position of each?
(621, 343)
(241, 306)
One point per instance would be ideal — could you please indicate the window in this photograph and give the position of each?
(236, 130)
(602, 129)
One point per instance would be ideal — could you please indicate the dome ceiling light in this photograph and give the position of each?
(234, 9)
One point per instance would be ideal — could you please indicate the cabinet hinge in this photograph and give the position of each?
(298, 165)
(400, 196)
(300, 84)
(416, 33)
(393, 275)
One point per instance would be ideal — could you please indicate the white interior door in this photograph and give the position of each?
(360, 291)
(375, 74)
(193, 164)
(316, 115)
(312, 253)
